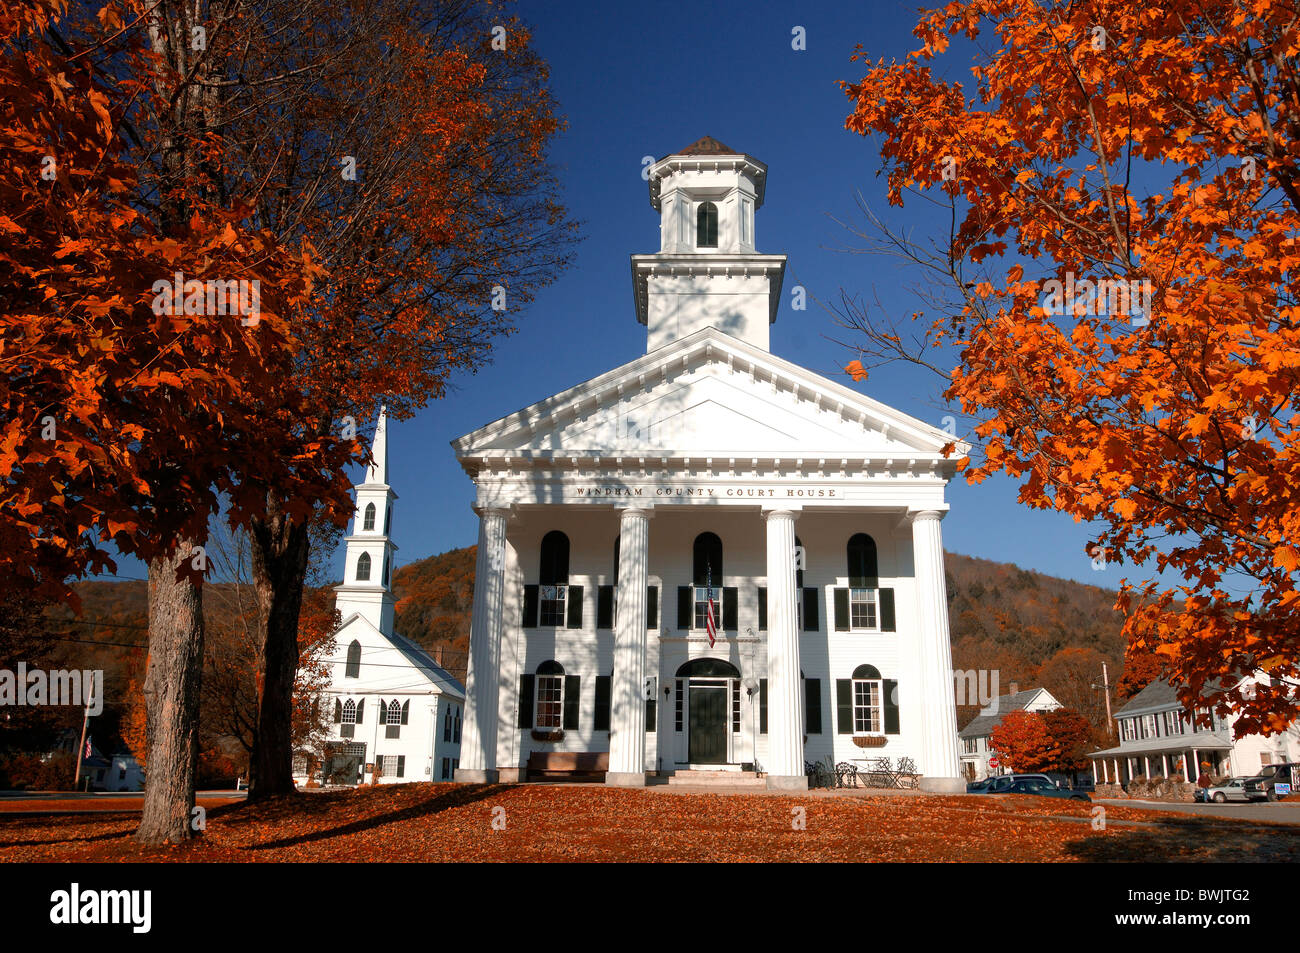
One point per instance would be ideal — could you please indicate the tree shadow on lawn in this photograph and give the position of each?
(1184, 840)
(459, 796)
(90, 838)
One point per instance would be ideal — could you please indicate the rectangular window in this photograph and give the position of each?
(677, 706)
(446, 768)
(389, 768)
(866, 706)
(550, 698)
(862, 608)
(735, 705)
(702, 607)
(552, 605)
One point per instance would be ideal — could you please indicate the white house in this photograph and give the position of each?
(1158, 738)
(396, 712)
(975, 739)
(610, 512)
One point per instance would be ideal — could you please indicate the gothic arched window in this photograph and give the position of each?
(353, 668)
(706, 226)
(363, 567)
(368, 523)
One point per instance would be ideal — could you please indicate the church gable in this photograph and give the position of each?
(706, 394)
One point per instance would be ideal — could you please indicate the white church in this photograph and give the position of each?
(398, 716)
(708, 479)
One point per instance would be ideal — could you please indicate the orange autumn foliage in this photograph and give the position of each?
(1153, 147)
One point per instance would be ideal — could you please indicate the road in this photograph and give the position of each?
(1278, 812)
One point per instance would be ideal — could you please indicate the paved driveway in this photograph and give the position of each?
(1279, 812)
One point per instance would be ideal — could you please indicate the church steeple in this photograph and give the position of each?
(708, 271)
(368, 564)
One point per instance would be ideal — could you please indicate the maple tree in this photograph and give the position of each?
(1150, 151)
(1072, 735)
(1023, 743)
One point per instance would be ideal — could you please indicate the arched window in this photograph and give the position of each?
(368, 523)
(707, 572)
(349, 712)
(363, 567)
(706, 226)
(864, 582)
(393, 713)
(353, 668)
(388, 520)
(868, 701)
(553, 576)
(550, 695)
(456, 735)
(446, 724)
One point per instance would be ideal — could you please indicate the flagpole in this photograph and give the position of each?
(81, 744)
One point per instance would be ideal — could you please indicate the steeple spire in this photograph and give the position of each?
(377, 472)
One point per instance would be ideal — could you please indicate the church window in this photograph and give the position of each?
(456, 734)
(867, 700)
(349, 712)
(363, 567)
(392, 765)
(706, 226)
(550, 696)
(553, 577)
(446, 725)
(388, 521)
(353, 668)
(368, 523)
(385, 570)
(393, 713)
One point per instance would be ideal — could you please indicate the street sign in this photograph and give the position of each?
(994, 762)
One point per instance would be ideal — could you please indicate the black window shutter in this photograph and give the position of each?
(844, 706)
(730, 598)
(652, 607)
(572, 697)
(361, 705)
(890, 687)
(841, 610)
(601, 722)
(401, 765)
(605, 607)
(530, 607)
(762, 608)
(575, 607)
(406, 710)
(651, 709)
(338, 711)
(685, 607)
(887, 611)
(811, 619)
(812, 690)
(762, 706)
(525, 701)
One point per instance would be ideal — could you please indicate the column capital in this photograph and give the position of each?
(781, 511)
(505, 512)
(635, 510)
(917, 516)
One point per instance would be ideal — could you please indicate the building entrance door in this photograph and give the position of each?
(708, 724)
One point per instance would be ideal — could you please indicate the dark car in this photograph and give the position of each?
(1041, 788)
(1263, 786)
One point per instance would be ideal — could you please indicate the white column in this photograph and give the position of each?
(784, 766)
(478, 749)
(627, 702)
(939, 759)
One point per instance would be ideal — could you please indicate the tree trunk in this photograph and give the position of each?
(171, 692)
(281, 548)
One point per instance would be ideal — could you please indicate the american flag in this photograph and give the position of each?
(88, 752)
(710, 615)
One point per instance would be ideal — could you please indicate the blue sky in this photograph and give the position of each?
(634, 80)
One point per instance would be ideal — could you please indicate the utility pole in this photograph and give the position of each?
(1105, 681)
(81, 743)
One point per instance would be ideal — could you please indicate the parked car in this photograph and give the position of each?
(1043, 788)
(1263, 786)
(1233, 789)
(1002, 783)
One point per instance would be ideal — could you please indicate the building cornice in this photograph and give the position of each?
(692, 264)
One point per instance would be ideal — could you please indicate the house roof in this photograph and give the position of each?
(707, 146)
(1204, 741)
(1160, 695)
(983, 724)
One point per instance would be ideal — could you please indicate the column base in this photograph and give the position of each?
(625, 779)
(787, 782)
(944, 785)
(511, 775)
(473, 776)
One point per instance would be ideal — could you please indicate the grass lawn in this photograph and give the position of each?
(447, 822)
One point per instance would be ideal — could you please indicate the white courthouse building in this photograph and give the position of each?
(608, 509)
(396, 712)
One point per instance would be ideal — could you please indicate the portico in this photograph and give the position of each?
(709, 478)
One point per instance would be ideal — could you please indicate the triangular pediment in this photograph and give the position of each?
(706, 394)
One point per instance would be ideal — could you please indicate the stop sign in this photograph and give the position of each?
(993, 762)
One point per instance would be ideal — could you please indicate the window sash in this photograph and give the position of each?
(551, 605)
(349, 713)
(702, 608)
(393, 714)
(863, 609)
(867, 712)
(550, 701)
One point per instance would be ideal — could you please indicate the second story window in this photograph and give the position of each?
(368, 522)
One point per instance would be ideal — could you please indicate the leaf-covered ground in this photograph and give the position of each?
(446, 822)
